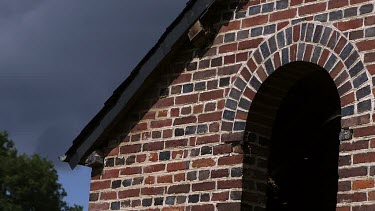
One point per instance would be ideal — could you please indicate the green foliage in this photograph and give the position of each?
(29, 183)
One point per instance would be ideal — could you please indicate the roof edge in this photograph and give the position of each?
(122, 95)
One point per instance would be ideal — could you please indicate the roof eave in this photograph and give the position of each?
(91, 134)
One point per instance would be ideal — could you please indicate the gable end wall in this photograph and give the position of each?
(180, 148)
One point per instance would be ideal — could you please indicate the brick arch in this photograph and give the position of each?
(309, 42)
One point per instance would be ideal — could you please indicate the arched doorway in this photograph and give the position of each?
(292, 141)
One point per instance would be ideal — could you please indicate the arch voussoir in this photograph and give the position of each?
(310, 42)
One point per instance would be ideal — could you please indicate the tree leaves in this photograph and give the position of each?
(29, 183)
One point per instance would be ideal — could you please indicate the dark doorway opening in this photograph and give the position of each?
(293, 142)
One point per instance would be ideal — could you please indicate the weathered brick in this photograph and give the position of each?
(313, 8)
(204, 186)
(129, 193)
(206, 162)
(177, 166)
(185, 188)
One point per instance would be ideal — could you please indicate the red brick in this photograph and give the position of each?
(357, 145)
(212, 95)
(210, 117)
(231, 160)
(282, 15)
(131, 170)
(154, 168)
(340, 45)
(240, 57)
(249, 44)
(366, 45)
(204, 186)
(357, 2)
(178, 166)
(232, 137)
(261, 73)
(222, 149)
(152, 146)
(232, 25)
(337, 3)
(153, 157)
(276, 60)
(282, 25)
(363, 184)
(167, 133)
(129, 193)
(364, 157)
(112, 173)
(223, 196)
(149, 115)
(108, 195)
(254, 21)
(352, 24)
(295, 2)
(364, 207)
(161, 123)
(176, 143)
(183, 78)
(371, 196)
(343, 209)
(227, 184)
(364, 131)
(344, 186)
(139, 127)
(351, 197)
(165, 179)
(185, 120)
(205, 207)
(228, 48)
(204, 74)
(313, 8)
(187, 99)
(100, 185)
(152, 191)
(369, 21)
(149, 180)
(336, 70)
(173, 209)
(229, 59)
(127, 149)
(165, 102)
(163, 113)
(323, 58)
(206, 162)
(177, 154)
(207, 139)
(185, 188)
(99, 206)
(179, 177)
(219, 173)
(369, 57)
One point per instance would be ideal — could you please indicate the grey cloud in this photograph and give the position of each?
(60, 61)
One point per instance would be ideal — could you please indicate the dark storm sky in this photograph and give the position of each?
(60, 61)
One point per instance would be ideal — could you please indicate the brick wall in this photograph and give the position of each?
(180, 147)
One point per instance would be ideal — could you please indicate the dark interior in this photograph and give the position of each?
(304, 146)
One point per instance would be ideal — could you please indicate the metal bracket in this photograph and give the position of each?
(345, 134)
(198, 35)
(95, 159)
